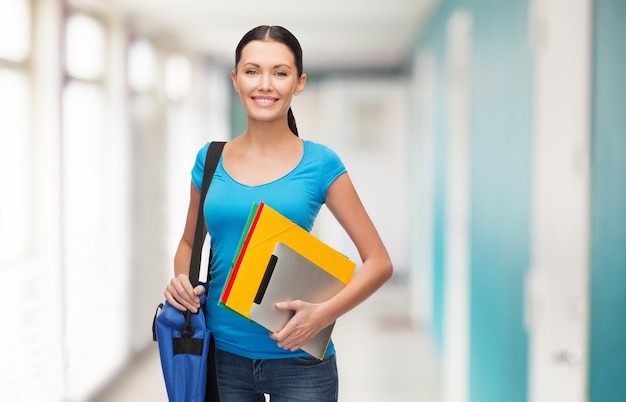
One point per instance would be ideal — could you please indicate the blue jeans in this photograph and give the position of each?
(285, 380)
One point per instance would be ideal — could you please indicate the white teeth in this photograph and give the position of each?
(264, 101)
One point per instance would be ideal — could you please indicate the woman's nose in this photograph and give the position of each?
(265, 82)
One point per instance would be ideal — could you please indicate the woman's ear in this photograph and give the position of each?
(233, 77)
(300, 84)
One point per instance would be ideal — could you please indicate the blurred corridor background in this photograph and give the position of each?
(486, 138)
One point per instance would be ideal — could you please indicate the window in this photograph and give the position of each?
(85, 221)
(15, 30)
(83, 131)
(178, 78)
(85, 48)
(142, 66)
(16, 160)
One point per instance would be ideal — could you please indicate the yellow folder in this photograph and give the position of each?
(265, 228)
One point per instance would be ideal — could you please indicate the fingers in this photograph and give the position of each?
(172, 300)
(181, 295)
(285, 306)
(299, 330)
(292, 339)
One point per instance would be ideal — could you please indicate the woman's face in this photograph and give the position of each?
(266, 79)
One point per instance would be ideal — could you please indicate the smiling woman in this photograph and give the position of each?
(271, 61)
(266, 80)
(269, 163)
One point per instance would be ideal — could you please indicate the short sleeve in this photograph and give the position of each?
(198, 168)
(332, 168)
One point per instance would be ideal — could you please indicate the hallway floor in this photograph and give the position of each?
(381, 357)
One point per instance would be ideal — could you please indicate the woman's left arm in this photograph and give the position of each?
(346, 206)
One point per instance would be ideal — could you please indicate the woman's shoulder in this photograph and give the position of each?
(320, 153)
(202, 151)
(312, 146)
(198, 167)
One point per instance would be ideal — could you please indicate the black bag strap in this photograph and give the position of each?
(210, 164)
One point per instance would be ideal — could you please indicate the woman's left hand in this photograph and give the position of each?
(307, 322)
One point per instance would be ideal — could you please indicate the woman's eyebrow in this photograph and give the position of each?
(281, 65)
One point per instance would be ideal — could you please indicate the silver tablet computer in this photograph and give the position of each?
(290, 276)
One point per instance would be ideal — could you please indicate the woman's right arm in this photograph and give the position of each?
(179, 292)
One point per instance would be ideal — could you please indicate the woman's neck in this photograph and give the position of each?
(268, 133)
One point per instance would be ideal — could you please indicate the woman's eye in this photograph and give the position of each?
(251, 72)
(281, 74)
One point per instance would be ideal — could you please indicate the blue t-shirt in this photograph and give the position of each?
(298, 195)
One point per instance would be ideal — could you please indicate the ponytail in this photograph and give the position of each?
(291, 121)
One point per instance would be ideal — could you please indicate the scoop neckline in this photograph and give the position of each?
(304, 148)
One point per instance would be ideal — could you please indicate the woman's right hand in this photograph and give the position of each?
(180, 294)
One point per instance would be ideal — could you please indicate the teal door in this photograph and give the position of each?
(607, 368)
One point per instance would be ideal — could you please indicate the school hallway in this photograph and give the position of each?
(486, 140)
(382, 356)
